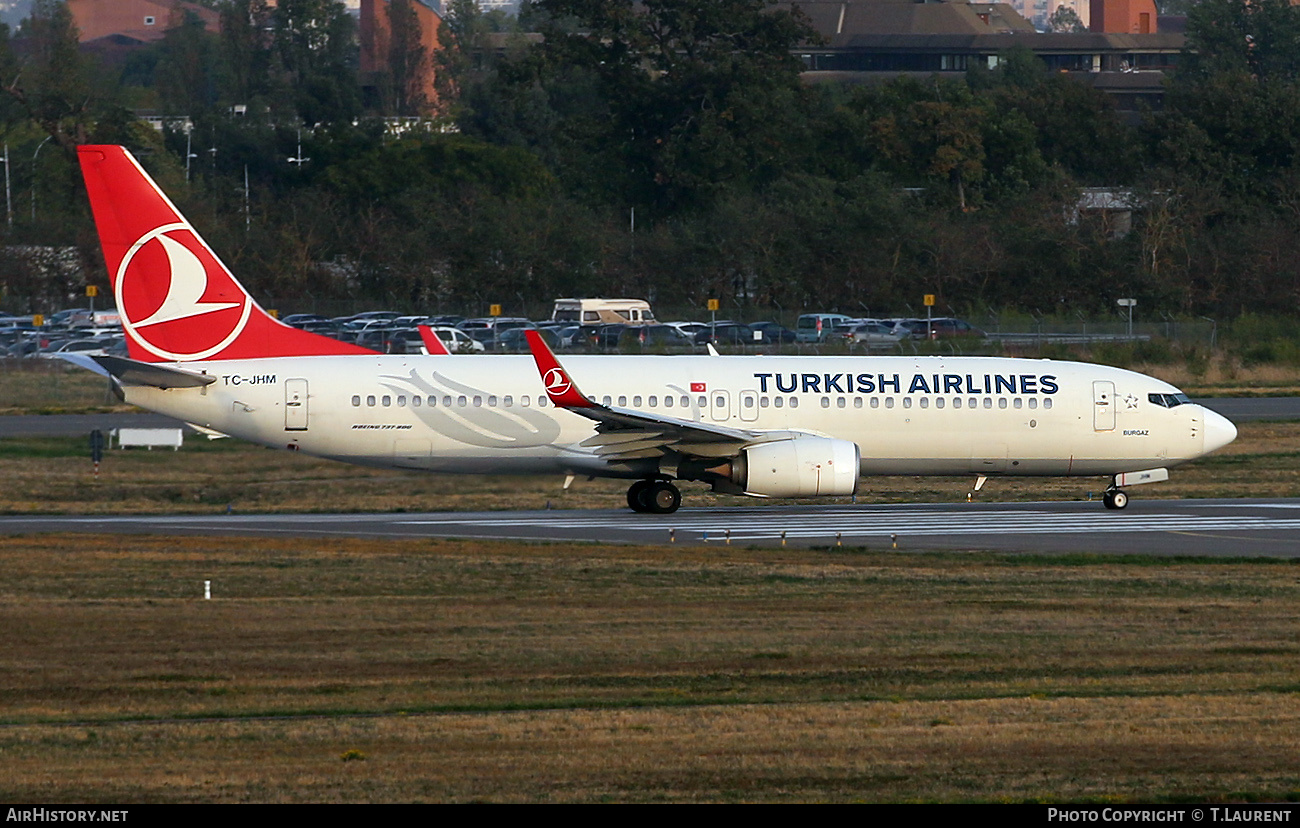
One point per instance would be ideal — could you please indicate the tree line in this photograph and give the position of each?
(669, 149)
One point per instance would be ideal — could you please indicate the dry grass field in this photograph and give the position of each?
(356, 671)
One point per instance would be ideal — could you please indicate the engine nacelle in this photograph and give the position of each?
(798, 467)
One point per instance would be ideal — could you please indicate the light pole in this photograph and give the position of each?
(34, 154)
(298, 159)
(189, 153)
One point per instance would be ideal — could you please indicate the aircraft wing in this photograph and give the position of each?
(626, 434)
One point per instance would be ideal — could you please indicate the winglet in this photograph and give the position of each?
(559, 387)
(432, 343)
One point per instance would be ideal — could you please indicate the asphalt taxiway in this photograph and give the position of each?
(1214, 528)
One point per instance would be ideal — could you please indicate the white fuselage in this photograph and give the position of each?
(919, 415)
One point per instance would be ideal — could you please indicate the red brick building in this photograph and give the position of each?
(379, 48)
(139, 21)
(1123, 16)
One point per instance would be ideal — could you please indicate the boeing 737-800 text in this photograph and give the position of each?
(203, 351)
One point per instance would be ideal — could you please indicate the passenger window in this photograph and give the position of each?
(762, 402)
(541, 402)
(686, 401)
(386, 400)
(370, 401)
(938, 402)
(1033, 403)
(636, 401)
(492, 402)
(1047, 403)
(622, 401)
(401, 401)
(956, 402)
(826, 402)
(1018, 403)
(907, 402)
(1002, 402)
(875, 402)
(988, 402)
(508, 401)
(839, 402)
(416, 402)
(925, 402)
(356, 399)
(668, 402)
(778, 401)
(794, 402)
(523, 401)
(462, 401)
(889, 402)
(857, 402)
(654, 402)
(703, 402)
(446, 402)
(972, 403)
(605, 400)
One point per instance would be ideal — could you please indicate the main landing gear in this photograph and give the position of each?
(657, 497)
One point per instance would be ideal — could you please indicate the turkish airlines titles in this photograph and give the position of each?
(899, 384)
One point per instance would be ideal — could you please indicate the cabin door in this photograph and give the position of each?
(295, 405)
(1103, 406)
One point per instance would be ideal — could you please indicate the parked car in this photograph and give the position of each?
(874, 335)
(514, 339)
(727, 333)
(943, 327)
(773, 334)
(655, 336)
(455, 341)
(818, 327)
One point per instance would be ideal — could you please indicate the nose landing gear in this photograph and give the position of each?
(1115, 498)
(657, 497)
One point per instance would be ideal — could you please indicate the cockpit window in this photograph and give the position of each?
(1169, 400)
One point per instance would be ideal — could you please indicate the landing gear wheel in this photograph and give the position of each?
(1115, 499)
(661, 497)
(656, 497)
(636, 496)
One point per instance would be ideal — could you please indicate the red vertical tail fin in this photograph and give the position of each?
(178, 302)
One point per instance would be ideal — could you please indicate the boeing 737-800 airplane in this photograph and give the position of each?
(203, 351)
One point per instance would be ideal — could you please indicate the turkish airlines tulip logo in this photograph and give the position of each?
(177, 301)
(557, 384)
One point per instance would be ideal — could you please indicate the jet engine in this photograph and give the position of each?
(800, 467)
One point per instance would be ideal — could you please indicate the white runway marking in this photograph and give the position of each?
(851, 523)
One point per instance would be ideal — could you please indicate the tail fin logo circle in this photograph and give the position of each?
(177, 300)
(557, 384)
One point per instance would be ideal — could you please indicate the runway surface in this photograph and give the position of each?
(1249, 528)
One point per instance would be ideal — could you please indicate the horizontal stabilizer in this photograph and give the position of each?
(131, 372)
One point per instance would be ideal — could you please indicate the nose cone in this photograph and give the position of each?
(1219, 431)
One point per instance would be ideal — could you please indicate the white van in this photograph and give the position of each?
(603, 311)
